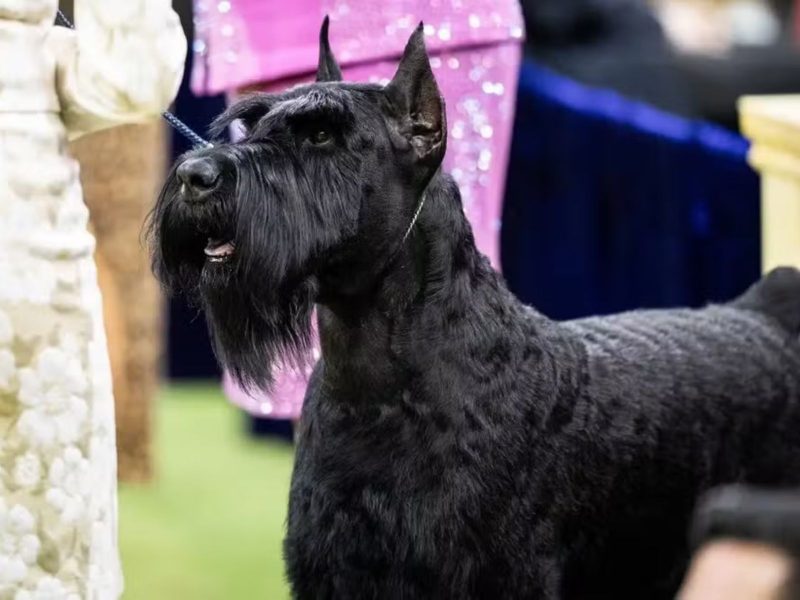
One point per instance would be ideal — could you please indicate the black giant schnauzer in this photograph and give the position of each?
(454, 443)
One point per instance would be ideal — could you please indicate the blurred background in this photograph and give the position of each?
(628, 179)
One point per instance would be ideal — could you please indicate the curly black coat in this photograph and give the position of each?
(456, 444)
(469, 447)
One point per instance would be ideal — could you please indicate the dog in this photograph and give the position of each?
(454, 443)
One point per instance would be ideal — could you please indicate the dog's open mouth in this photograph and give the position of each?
(218, 250)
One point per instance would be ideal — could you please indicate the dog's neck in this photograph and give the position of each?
(438, 270)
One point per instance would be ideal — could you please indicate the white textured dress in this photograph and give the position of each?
(58, 522)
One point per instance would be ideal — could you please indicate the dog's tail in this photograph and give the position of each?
(777, 295)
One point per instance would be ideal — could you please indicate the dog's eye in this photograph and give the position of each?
(320, 136)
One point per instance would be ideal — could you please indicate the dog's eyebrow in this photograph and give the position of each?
(311, 103)
(249, 110)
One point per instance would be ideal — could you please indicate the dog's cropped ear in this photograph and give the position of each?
(417, 105)
(328, 69)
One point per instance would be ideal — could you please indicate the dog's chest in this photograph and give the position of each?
(391, 516)
(362, 539)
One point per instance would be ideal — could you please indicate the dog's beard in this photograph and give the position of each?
(254, 328)
(258, 303)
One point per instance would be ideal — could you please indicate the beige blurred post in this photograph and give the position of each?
(121, 170)
(58, 453)
(773, 125)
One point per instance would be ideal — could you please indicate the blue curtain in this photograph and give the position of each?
(612, 204)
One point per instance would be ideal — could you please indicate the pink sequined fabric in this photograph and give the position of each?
(244, 42)
(475, 49)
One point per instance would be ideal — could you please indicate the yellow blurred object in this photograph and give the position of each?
(114, 322)
(773, 125)
(121, 170)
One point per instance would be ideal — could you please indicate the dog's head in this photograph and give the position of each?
(310, 203)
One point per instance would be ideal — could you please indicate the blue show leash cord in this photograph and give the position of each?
(179, 125)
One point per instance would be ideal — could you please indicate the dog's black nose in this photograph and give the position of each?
(200, 175)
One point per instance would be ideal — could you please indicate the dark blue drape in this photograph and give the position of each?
(612, 204)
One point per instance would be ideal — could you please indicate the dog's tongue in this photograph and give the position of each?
(216, 249)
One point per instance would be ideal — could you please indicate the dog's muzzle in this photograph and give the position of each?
(200, 178)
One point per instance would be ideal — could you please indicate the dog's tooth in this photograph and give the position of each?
(221, 250)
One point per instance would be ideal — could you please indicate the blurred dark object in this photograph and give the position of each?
(766, 516)
(796, 22)
(620, 44)
(613, 205)
(66, 7)
(568, 23)
(270, 428)
(617, 44)
(786, 11)
(717, 83)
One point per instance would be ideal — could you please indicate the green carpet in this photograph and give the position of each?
(210, 526)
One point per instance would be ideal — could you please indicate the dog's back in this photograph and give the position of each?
(680, 401)
(777, 296)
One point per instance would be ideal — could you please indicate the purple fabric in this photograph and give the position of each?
(475, 49)
(245, 42)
